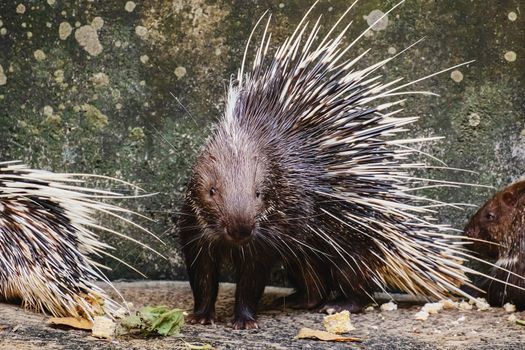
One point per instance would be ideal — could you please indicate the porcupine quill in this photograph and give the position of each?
(48, 240)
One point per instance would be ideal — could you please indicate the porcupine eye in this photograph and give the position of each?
(257, 194)
(213, 191)
(490, 216)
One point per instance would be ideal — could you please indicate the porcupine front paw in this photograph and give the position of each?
(342, 303)
(200, 318)
(244, 318)
(243, 323)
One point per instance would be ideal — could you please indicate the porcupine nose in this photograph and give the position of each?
(240, 231)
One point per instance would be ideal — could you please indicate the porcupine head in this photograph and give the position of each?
(229, 179)
(500, 226)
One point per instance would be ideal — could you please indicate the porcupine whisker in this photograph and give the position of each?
(196, 238)
(304, 244)
(288, 219)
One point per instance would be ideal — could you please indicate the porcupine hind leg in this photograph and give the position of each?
(252, 273)
(312, 287)
(203, 272)
(354, 303)
(352, 288)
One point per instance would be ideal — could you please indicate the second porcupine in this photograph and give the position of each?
(304, 169)
(500, 226)
(49, 240)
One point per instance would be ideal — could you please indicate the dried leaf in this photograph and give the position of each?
(197, 346)
(308, 333)
(78, 323)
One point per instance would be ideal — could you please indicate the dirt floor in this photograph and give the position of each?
(450, 329)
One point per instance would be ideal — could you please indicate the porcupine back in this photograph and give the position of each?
(48, 241)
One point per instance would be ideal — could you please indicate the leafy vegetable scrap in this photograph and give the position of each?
(154, 320)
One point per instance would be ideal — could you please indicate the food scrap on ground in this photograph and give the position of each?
(432, 308)
(509, 307)
(390, 306)
(103, 327)
(465, 306)
(481, 304)
(154, 320)
(422, 315)
(338, 323)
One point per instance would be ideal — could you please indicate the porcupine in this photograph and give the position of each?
(499, 227)
(48, 241)
(304, 169)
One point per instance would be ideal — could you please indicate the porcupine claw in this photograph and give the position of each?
(197, 318)
(342, 303)
(244, 324)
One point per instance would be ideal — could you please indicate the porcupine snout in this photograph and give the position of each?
(240, 230)
(239, 221)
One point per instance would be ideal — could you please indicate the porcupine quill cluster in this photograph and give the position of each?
(307, 167)
(48, 241)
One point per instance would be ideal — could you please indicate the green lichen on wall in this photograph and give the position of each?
(129, 89)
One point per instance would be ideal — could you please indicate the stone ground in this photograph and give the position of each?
(23, 330)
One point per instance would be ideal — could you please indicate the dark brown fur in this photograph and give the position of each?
(501, 221)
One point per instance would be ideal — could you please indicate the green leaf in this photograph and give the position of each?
(155, 320)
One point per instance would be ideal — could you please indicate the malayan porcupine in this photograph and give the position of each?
(305, 169)
(48, 240)
(499, 225)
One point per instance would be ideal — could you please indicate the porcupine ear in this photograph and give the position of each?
(511, 196)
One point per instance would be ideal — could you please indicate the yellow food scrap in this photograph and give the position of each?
(103, 327)
(338, 323)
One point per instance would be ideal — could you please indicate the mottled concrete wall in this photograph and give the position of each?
(92, 86)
